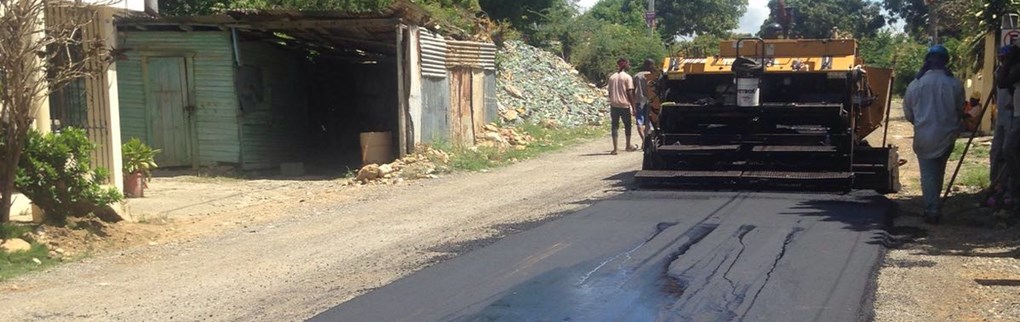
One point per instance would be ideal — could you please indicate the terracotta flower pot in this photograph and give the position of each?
(134, 185)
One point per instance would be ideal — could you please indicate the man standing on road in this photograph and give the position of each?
(621, 97)
(641, 85)
(1003, 122)
(1011, 144)
(933, 104)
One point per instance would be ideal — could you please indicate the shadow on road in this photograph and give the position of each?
(967, 229)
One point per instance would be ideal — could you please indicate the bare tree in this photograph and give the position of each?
(44, 45)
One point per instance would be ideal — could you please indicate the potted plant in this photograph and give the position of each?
(139, 160)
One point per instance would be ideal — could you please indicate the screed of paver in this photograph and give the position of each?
(647, 256)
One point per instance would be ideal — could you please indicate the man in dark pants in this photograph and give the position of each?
(1003, 124)
(933, 104)
(621, 102)
(1011, 145)
(641, 98)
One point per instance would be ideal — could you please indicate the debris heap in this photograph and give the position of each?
(538, 86)
(421, 165)
(495, 136)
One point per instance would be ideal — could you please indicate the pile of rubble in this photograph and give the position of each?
(538, 86)
(494, 136)
(423, 164)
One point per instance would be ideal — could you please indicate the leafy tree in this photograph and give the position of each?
(689, 17)
(458, 13)
(557, 32)
(345, 5)
(704, 44)
(909, 58)
(192, 7)
(897, 51)
(816, 18)
(628, 13)
(879, 50)
(38, 57)
(674, 18)
(601, 44)
(955, 17)
(527, 16)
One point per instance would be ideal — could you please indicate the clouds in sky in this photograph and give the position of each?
(757, 11)
(586, 4)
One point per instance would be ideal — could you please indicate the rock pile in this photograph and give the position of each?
(495, 136)
(423, 164)
(536, 86)
(15, 245)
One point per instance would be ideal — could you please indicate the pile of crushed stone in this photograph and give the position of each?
(538, 86)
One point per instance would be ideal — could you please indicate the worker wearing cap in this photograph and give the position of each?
(621, 102)
(933, 104)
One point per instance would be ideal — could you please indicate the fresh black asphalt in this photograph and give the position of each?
(659, 256)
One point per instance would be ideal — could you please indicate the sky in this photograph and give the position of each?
(757, 11)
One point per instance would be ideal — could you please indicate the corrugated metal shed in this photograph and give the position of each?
(435, 117)
(471, 54)
(216, 119)
(433, 55)
(491, 101)
(372, 31)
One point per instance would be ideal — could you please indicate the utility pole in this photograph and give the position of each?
(650, 17)
(933, 21)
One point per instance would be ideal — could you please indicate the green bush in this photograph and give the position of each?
(600, 47)
(56, 173)
(139, 157)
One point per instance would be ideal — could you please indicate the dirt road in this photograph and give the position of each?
(319, 252)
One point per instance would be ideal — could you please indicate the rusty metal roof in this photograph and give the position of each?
(374, 31)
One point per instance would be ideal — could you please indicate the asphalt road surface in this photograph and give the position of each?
(659, 256)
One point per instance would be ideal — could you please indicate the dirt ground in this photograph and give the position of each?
(967, 269)
(206, 247)
(312, 245)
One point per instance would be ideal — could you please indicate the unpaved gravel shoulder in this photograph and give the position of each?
(962, 270)
(297, 256)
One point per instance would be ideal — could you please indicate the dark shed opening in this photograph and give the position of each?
(332, 96)
(310, 86)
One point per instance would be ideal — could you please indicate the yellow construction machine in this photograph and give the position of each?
(770, 114)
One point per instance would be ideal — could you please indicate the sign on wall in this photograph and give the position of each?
(1010, 36)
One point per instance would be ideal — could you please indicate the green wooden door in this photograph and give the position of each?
(167, 99)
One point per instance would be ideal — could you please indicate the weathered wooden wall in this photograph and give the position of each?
(216, 126)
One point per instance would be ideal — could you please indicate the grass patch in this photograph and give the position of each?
(974, 171)
(977, 150)
(13, 231)
(546, 140)
(17, 263)
(973, 176)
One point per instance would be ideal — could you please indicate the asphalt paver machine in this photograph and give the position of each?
(770, 114)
